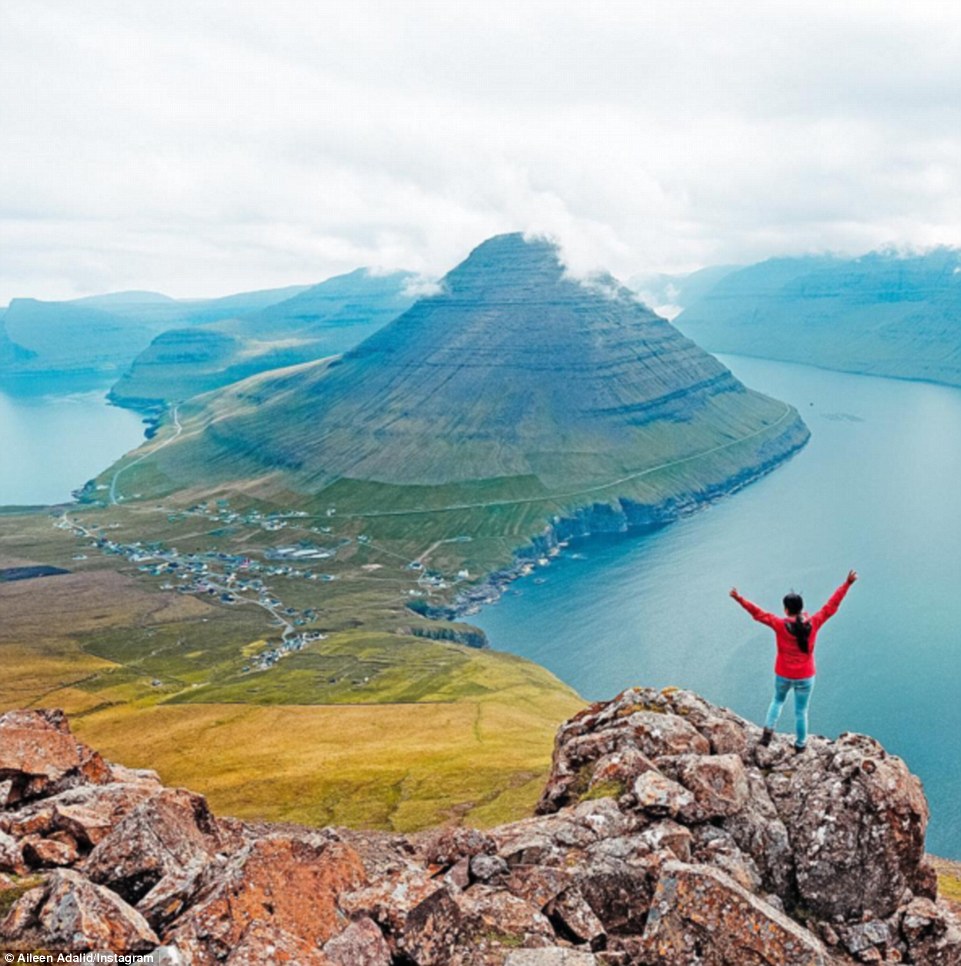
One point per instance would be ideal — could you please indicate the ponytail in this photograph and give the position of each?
(799, 627)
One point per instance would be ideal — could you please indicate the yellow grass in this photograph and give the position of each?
(475, 748)
(400, 767)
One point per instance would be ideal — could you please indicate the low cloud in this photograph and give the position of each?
(199, 148)
(422, 287)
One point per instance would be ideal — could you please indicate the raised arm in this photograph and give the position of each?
(762, 616)
(834, 601)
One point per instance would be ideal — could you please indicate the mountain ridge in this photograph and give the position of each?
(666, 835)
(317, 321)
(884, 313)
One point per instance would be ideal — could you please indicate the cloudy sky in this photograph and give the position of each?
(204, 147)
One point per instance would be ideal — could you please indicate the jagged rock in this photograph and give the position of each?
(619, 896)
(573, 918)
(43, 853)
(932, 934)
(458, 875)
(72, 913)
(485, 868)
(360, 944)
(133, 776)
(164, 834)
(700, 915)
(538, 884)
(285, 883)
(659, 795)
(391, 894)
(472, 928)
(703, 859)
(619, 768)
(759, 833)
(173, 893)
(718, 783)
(11, 855)
(856, 819)
(554, 956)
(716, 847)
(445, 846)
(39, 755)
(262, 943)
(667, 834)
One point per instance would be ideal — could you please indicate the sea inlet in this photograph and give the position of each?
(877, 489)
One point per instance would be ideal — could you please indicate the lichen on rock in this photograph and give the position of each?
(710, 849)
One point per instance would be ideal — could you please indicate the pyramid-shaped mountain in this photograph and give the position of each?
(515, 374)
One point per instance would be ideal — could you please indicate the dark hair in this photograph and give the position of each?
(800, 628)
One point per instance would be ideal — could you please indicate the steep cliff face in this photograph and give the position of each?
(515, 374)
(322, 320)
(666, 837)
(881, 314)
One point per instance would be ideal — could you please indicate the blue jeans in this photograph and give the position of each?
(802, 697)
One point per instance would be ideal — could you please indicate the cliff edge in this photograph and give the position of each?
(665, 835)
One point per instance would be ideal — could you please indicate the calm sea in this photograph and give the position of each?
(52, 441)
(877, 488)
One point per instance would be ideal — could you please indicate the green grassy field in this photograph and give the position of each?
(371, 726)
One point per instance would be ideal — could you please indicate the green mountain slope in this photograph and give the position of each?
(322, 320)
(882, 314)
(516, 395)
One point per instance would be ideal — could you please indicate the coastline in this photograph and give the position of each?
(627, 516)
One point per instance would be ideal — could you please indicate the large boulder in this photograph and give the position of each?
(700, 915)
(163, 836)
(71, 913)
(39, 755)
(666, 835)
(856, 819)
(287, 884)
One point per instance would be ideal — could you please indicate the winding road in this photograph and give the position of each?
(123, 469)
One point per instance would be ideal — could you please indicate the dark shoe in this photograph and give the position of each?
(766, 737)
(800, 749)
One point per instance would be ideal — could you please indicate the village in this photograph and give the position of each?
(238, 579)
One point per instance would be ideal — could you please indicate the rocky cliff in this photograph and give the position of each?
(666, 835)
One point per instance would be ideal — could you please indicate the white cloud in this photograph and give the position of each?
(203, 147)
(421, 286)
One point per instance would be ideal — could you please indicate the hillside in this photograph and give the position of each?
(322, 320)
(666, 836)
(99, 336)
(882, 314)
(515, 395)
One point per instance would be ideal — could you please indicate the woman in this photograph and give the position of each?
(796, 634)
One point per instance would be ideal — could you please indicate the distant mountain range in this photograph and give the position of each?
(514, 392)
(882, 314)
(319, 321)
(100, 335)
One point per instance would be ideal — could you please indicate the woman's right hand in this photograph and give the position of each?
(852, 576)
(734, 593)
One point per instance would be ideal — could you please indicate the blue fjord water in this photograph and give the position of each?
(877, 488)
(53, 438)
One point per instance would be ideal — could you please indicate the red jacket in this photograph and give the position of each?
(792, 662)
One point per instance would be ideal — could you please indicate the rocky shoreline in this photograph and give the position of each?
(665, 836)
(623, 516)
